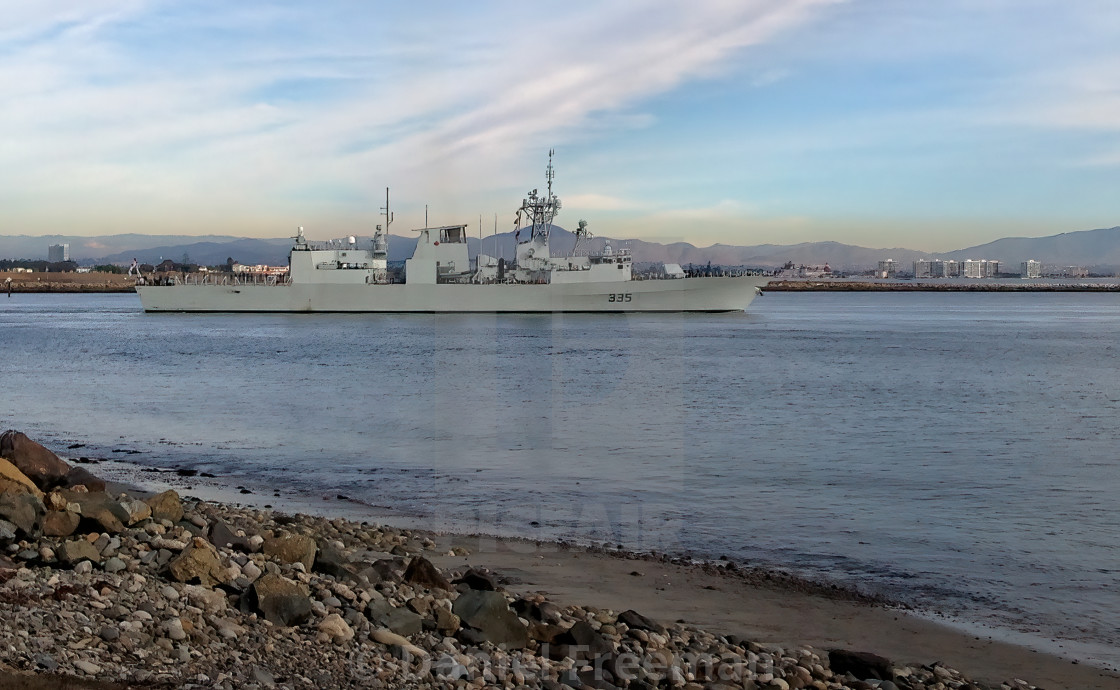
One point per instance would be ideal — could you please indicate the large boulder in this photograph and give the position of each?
(332, 561)
(580, 642)
(60, 523)
(281, 601)
(224, 536)
(400, 621)
(199, 562)
(14, 481)
(420, 571)
(633, 619)
(862, 665)
(37, 463)
(488, 613)
(80, 476)
(100, 512)
(294, 548)
(477, 579)
(23, 510)
(166, 506)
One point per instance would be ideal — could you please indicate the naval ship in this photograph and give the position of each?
(441, 278)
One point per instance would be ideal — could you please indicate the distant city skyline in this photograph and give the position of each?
(866, 122)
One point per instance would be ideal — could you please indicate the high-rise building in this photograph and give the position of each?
(58, 252)
(887, 268)
(980, 268)
(1031, 269)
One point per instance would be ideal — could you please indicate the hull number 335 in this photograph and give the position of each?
(619, 297)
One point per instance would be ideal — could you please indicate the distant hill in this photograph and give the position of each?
(1092, 248)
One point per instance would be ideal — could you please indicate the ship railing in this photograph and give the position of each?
(227, 279)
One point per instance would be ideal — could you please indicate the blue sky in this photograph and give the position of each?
(883, 123)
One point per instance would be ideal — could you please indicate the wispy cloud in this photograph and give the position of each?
(111, 103)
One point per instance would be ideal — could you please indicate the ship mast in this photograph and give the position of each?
(381, 236)
(537, 210)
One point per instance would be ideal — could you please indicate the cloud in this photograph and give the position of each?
(146, 104)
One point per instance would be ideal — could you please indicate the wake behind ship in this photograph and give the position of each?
(441, 278)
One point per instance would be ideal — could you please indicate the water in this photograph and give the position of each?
(955, 451)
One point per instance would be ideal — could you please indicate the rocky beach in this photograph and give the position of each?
(108, 586)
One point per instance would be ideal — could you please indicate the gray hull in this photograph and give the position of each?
(688, 294)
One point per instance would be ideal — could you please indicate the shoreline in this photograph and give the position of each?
(26, 287)
(769, 606)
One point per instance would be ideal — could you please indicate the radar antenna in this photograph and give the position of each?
(537, 210)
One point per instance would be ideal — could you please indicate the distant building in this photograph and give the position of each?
(58, 252)
(936, 268)
(980, 268)
(923, 268)
(1031, 269)
(887, 269)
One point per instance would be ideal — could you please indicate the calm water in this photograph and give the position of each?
(958, 451)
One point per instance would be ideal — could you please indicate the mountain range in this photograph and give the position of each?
(1095, 249)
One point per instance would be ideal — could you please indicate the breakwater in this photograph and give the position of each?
(908, 286)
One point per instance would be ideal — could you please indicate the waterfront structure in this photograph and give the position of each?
(1031, 269)
(887, 269)
(980, 268)
(58, 252)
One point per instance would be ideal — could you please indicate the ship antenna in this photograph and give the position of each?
(388, 214)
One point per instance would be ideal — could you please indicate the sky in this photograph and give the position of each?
(882, 123)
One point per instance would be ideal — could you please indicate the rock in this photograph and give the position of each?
(14, 481)
(223, 536)
(7, 531)
(55, 501)
(38, 464)
(387, 637)
(336, 628)
(137, 510)
(489, 613)
(114, 565)
(166, 506)
(295, 548)
(862, 665)
(446, 622)
(281, 601)
(478, 579)
(46, 662)
(262, 675)
(420, 571)
(383, 570)
(250, 571)
(199, 562)
(100, 518)
(633, 619)
(60, 523)
(333, 562)
(209, 600)
(400, 621)
(76, 550)
(174, 630)
(23, 510)
(581, 642)
(87, 667)
(109, 633)
(80, 476)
